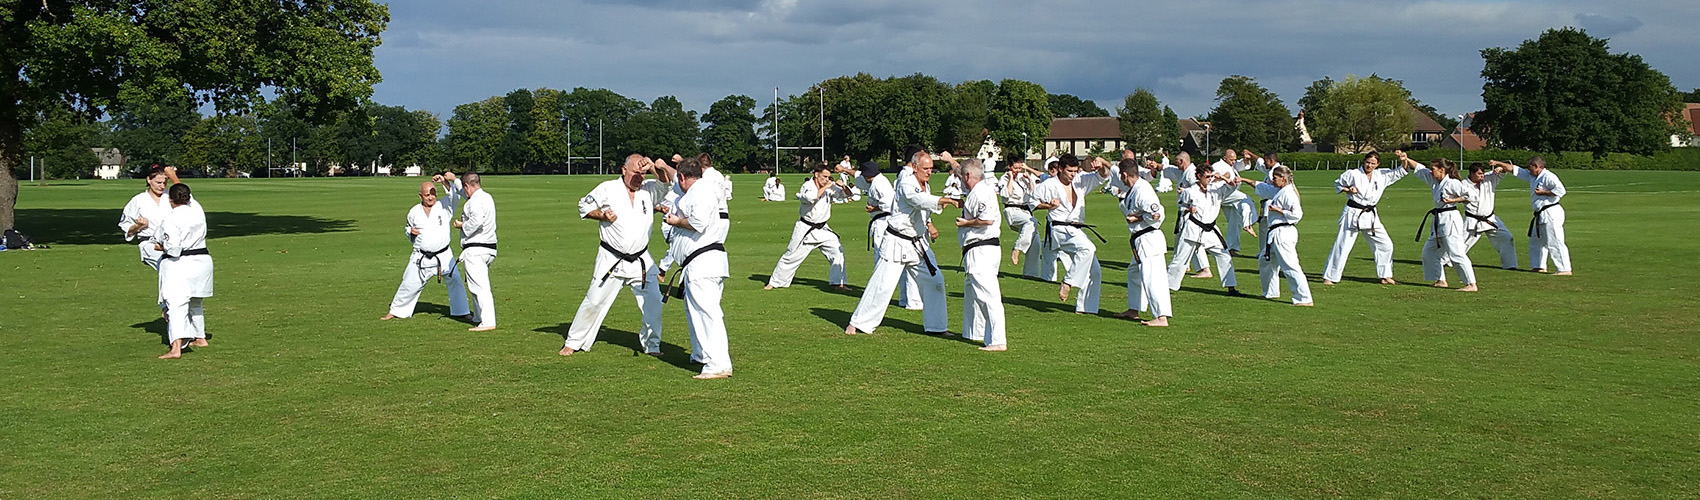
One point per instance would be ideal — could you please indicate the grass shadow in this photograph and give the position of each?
(440, 310)
(83, 226)
(157, 327)
(672, 354)
(818, 284)
(841, 318)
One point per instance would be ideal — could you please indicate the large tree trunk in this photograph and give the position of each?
(8, 189)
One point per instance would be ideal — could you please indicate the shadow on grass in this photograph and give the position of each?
(670, 353)
(157, 327)
(841, 318)
(82, 226)
(822, 285)
(441, 311)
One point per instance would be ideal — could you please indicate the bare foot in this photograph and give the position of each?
(1203, 274)
(174, 354)
(387, 317)
(850, 330)
(481, 328)
(1388, 281)
(1305, 304)
(1561, 273)
(567, 351)
(995, 348)
(1326, 282)
(654, 353)
(1131, 314)
(1251, 229)
(1539, 270)
(768, 287)
(1159, 321)
(1063, 292)
(198, 343)
(710, 376)
(843, 288)
(1469, 288)
(1442, 284)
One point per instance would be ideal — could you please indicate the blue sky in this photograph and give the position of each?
(440, 53)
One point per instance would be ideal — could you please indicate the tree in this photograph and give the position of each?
(1171, 130)
(586, 109)
(513, 153)
(1142, 122)
(1363, 113)
(92, 57)
(1566, 91)
(1312, 101)
(665, 129)
(547, 141)
(853, 106)
(1069, 106)
(1020, 116)
(1691, 96)
(1250, 116)
(912, 106)
(222, 145)
(152, 133)
(475, 131)
(61, 143)
(730, 137)
(965, 124)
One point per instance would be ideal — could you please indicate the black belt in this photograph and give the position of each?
(813, 226)
(1484, 218)
(465, 245)
(193, 251)
(711, 247)
(1133, 241)
(1269, 240)
(1433, 212)
(1019, 206)
(993, 241)
(1536, 221)
(1366, 209)
(1263, 211)
(872, 218)
(920, 249)
(1052, 226)
(433, 255)
(726, 215)
(1210, 227)
(624, 257)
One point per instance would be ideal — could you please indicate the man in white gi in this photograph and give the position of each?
(1200, 204)
(623, 210)
(1147, 275)
(1479, 216)
(428, 226)
(1546, 229)
(1363, 188)
(982, 299)
(1445, 243)
(812, 233)
(1045, 267)
(1065, 197)
(1281, 214)
(144, 214)
(185, 269)
(1237, 208)
(906, 250)
(1017, 188)
(773, 189)
(698, 248)
(477, 225)
(1181, 175)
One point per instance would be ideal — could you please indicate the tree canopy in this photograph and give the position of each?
(1070, 106)
(1250, 116)
(1363, 113)
(1142, 122)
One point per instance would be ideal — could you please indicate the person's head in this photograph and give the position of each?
(972, 172)
(1203, 175)
(870, 170)
(909, 152)
(157, 180)
(1537, 165)
(427, 193)
(677, 159)
(822, 173)
(633, 170)
(1372, 160)
(1068, 166)
(706, 161)
(1478, 172)
(1281, 176)
(1272, 158)
(1183, 160)
(689, 171)
(1440, 169)
(179, 195)
(922, 163)
(471, 182)
(1230, 156)
(1129, 169)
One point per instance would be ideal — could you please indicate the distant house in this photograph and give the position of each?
(1428, 133)
(1464, 135)
(111, 163)
(1083, 135)
(1195, 135)
(1691, 111)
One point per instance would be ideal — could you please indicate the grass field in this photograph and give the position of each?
(1538, 387)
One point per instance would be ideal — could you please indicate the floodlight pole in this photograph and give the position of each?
(1460, 129)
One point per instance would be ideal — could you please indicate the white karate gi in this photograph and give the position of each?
(1199, 232)
(1279, 256)
(478, 251)
(852, 194)
(1354, 220)
(810, 233)
(1018, 211)
(904, 250)
(1546, 229)
(1071, 241)
(431, 257)
(982, 299)
(1445, 243)
(1176, 178)
(773, 190)
(704, 274)
(1480, 220)
(144, 205)
(628, 235)
(185, 270)
(1148, 273)
(1237, 208)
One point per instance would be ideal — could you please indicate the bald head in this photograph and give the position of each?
(427, 193)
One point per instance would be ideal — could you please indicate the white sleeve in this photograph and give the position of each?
(128, 218)
(591, 202)
(1557, 188)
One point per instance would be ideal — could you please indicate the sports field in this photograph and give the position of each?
(1538, 387)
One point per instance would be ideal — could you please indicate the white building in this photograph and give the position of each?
(111, 163)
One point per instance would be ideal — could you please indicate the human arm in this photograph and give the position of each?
(593, 206)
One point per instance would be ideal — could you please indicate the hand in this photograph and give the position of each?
(158, 247)
(458, 223)
(449, 176)
(952, 202)
(869, 208)
(673, 220)
(1133, 218)
(932, 232)
(141, 222)
(1350, 190)
(663, 209)
(1543, 192)
(607, 215)
(1400, 154)
(413, 230)
(960, 222)
(437, 178)
(945, 156)
(170, 170)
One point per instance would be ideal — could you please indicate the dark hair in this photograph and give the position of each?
(1271, 158)
(471, 178)
(179, 194)
(1372, 154)
(1129, 165)
(910, 150)
(155, 171)
(1477, 167)
(1538, 161)
(1068, 160)
(822, 168)
(690, 169)
(705, 160)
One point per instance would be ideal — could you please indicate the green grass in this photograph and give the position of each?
(1538, 387)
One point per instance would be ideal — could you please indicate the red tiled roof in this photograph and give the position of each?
(1692, 112)
(1102, 127)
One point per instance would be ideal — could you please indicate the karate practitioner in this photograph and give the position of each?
(1279, 256)
(622, 208)
(880, 200)
(1181, 175)
(477, 225)
(812, 233)
(773, 190)
(1018, 184)
(1065, 198)
(1445, 243)
(1363, 188)
(142, 217)
(428, 226)
(978, 230)
(906, 250)
(698, 247)
(185, 269)
(1479, 216)
(1147, 275)
(1546, 229)
(1048, 259)
(1237, 208)
(1200, 204)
